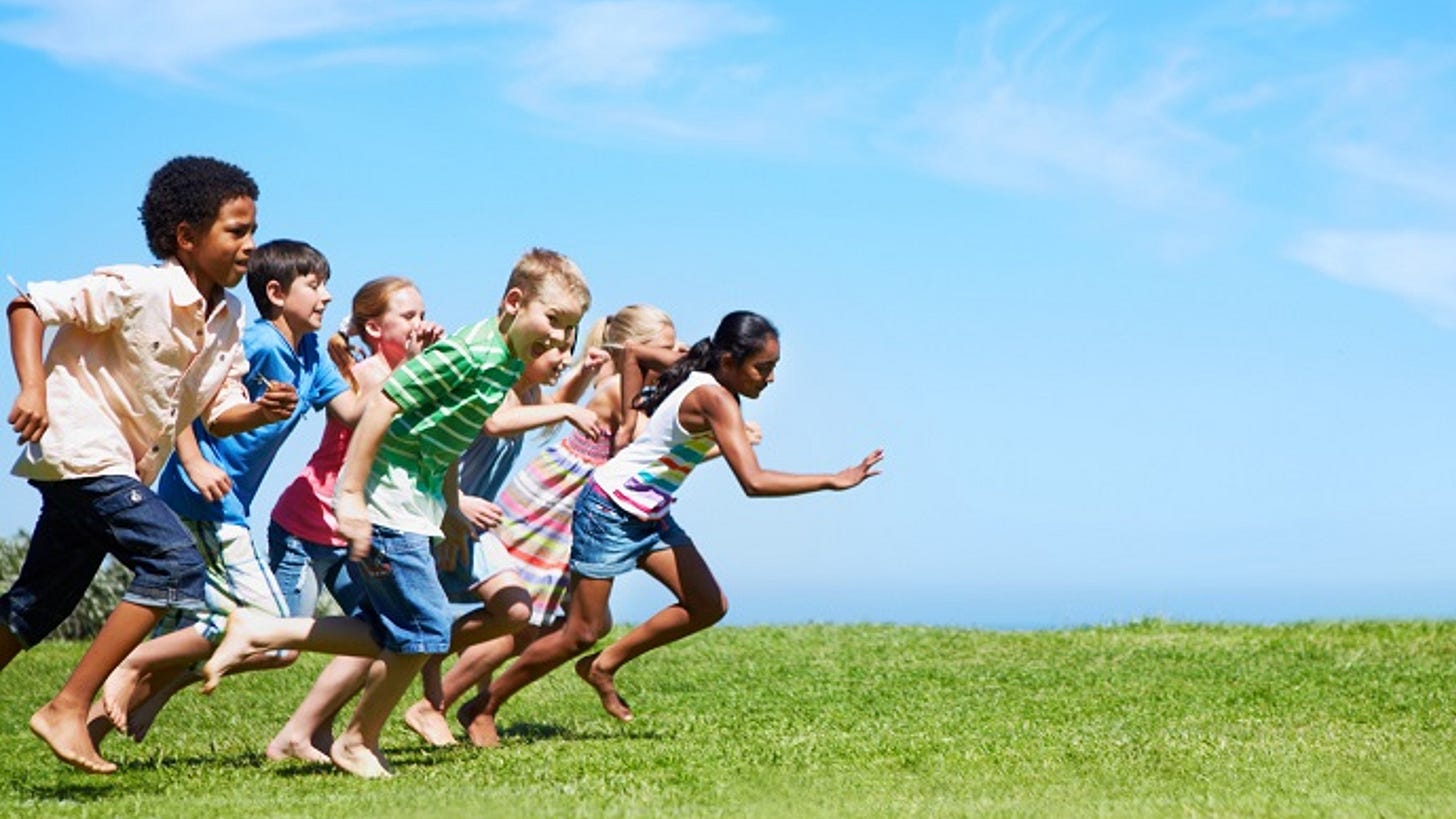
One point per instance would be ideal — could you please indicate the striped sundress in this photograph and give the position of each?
(536, 526)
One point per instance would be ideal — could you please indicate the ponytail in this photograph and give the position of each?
(341, 352)
(740, 334)
(700, 357)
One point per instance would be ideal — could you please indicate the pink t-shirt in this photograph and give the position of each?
(306, 508)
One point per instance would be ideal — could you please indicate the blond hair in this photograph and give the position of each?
(539, 267)
(634, 323)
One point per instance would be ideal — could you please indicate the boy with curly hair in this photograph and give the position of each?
(140, 352)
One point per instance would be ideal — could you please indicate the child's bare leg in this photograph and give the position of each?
(357, 749)
(308, 734)
(479, 726)
(169, 652)
(61, 723)
(587, 620)
(700, 604)
(507, 610)
(427, 717)
(10, 647)
(252, 632)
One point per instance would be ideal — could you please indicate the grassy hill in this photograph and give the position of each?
(1150, 719)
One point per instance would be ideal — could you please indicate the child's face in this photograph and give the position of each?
(219, 256)
(542, 322)
(391, 332)
(545, 368)
(303, 305)
(749, 377)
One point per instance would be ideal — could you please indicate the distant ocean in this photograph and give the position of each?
(638, 596)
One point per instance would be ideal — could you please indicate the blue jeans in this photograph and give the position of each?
(607, 541)
(403, 603)
(81, 521)
(302, 567)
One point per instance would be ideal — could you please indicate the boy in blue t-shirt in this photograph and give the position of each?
(210, 482)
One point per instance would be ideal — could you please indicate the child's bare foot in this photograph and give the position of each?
(237, 643)
(605, 685)
(423, 719)
(68, 739)
(140, 720)
(295, 748)
(359, 760)
(116, 694)
(98, 725)
(479, 726)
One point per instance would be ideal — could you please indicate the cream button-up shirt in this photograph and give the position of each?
(136, 359)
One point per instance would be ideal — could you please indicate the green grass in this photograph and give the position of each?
(1151, 719)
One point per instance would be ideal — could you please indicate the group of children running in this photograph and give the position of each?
(411, 512)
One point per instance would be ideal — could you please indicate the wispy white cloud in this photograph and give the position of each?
(1418, 266)
(617, 44)
(1047, 111)
(1408, 173)
(176, 38)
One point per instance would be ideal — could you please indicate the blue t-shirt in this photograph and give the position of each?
(245, 457)
(487, 464)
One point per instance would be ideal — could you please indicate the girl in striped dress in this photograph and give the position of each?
(622, 518)
(531, 545)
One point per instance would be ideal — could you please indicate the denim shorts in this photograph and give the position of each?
(302, 567)
(486, 558)
(403, 603)
(606, 541)
(81, 521)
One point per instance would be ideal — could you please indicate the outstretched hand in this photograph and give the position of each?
(856, 475)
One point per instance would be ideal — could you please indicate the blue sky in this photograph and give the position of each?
(1151, 305)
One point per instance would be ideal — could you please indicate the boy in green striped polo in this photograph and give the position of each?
(390, 498)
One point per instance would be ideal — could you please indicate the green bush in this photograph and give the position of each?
(103, 595)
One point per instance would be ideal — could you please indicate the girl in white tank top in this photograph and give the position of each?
(622, 520)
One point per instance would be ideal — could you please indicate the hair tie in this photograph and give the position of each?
(346, 327)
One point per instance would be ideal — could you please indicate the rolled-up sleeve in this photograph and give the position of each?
(95, 303)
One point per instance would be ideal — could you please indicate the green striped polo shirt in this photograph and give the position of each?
(445, 394)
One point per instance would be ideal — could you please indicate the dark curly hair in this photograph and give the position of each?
(190, 190)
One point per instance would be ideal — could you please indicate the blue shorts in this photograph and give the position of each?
(302, 567)
(606, 541)
(81, 521)
(403, 603)
(486, 558)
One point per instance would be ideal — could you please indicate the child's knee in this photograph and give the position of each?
(708, 610)
(513, 606)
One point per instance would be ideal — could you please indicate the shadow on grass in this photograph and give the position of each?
(89, 789)
(533, 732)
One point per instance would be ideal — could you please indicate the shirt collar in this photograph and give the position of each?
(184, 292)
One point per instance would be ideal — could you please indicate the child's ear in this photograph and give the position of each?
(186, 236)
(372, 329)
(276, 294)
(514, 299)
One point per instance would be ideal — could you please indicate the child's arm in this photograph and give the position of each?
(349, 509)
(348, 407)
(581, 376)
(210, 480)
(28, 416)
(720, 411)
(637, 361)
(275, 404)
(522, 417)
(452, 548)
